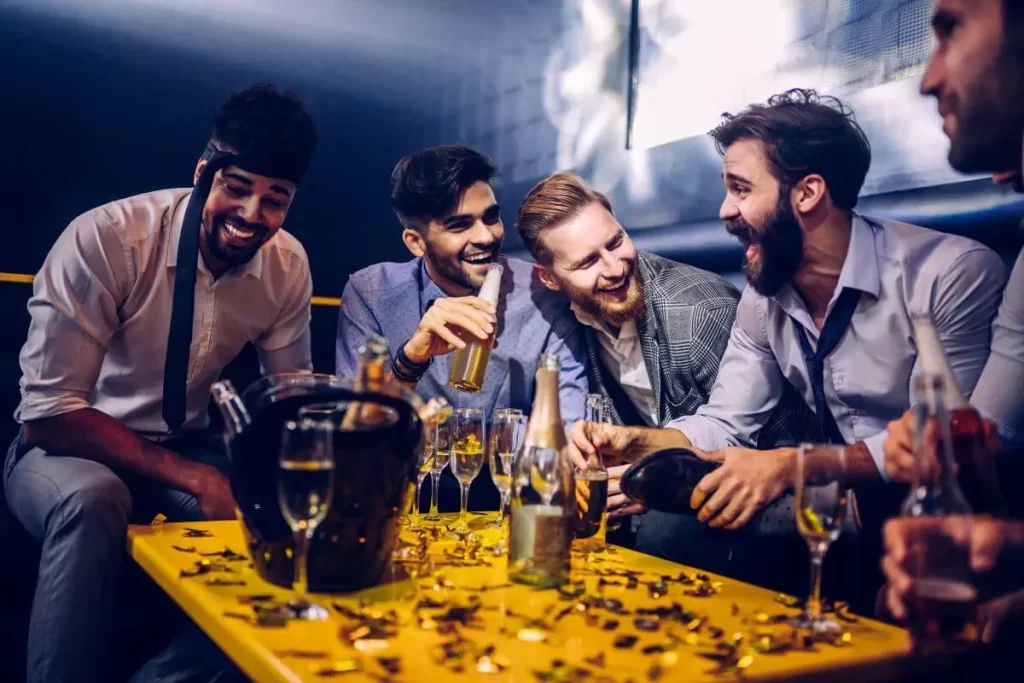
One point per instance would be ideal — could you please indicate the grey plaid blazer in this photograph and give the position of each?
(688, 316)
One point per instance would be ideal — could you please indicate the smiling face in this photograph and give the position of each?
(243, 212)
(458, 249)
(758, 211)
(976, 74)
(592, 260)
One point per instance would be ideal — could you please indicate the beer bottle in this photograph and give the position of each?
(592, 490)
(470, 363)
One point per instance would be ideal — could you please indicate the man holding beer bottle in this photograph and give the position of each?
(429, 307)
(976, 74)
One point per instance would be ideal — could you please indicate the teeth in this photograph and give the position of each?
(238, 232)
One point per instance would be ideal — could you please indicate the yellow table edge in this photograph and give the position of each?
(254, 662)
(261, 664)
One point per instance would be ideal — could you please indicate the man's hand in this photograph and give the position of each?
(618, 504)
(620, 445)
(985, 540)
(900, 462)
(616, 444)
(746, 481)
(212, 490)
(446, 323)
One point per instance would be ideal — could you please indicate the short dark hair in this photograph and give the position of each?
(553, 201)
(262, 122)
(805, 133)
(427, 185)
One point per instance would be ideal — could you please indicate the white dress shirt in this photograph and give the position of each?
(900, 270)
(101, 311)
(623, 357)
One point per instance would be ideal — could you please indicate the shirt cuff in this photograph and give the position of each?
(39, 405)
(875, 447)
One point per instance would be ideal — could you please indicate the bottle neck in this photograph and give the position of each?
(545, 427)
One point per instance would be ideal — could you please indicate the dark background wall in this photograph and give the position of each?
(108, 98)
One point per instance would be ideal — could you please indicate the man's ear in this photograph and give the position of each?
(809, 194)
(545, 275)
(199, 170)
(414, 241)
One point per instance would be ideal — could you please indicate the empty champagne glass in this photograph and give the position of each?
(442, 453)
(468, 437)
(821, 500)
(305, 487)
(507, 433)
(423, 468)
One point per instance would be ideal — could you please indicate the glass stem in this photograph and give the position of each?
(501, 507)
(416, 503)
(813, 609)
(435, 479)
(301, 545)
(463, 518)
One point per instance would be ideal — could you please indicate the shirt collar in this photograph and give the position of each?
(429, 291)
(254, 268)
(627, 332)
(860, 269)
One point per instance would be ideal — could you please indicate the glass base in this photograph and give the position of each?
(307, 611)
(432, 517)
(820, 625)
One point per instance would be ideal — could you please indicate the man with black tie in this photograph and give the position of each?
(139, 306)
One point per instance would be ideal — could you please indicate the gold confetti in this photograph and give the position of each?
(337, 668)
(532, 635)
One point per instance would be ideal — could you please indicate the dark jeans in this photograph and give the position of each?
(79, 510)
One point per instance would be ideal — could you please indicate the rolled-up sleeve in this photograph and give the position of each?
(998, 395)
(355, 322)
(568, 343)
(287, 347)
(74, 314)
(747, 389)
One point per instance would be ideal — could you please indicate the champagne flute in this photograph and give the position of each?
(821, 501)
(546, 473)
(468, 438)
(507, 433)
(305, 487)
(442, 453)
(423, 468)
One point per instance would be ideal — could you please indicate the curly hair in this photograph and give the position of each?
(804, 133)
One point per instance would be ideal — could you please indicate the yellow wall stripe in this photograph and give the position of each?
(22, 278)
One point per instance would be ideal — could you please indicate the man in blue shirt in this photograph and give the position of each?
(426, 307)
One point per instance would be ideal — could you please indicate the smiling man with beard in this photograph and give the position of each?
(827, 312)
(427, 306)
(656, 329)
(136, 311)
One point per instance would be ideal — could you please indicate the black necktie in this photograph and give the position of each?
(179, 338)
(831, 334)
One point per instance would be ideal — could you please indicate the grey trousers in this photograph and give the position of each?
(79, 510)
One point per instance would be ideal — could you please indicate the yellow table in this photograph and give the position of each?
(516, 634)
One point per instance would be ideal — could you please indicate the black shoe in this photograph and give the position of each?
(664, 480)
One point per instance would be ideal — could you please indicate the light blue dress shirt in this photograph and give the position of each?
(901, 270)
(389, 299)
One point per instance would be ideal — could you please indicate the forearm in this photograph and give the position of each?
(647, 440)
(91, 434)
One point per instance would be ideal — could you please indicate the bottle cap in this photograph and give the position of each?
(492, 284)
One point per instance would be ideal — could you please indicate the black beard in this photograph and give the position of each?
(451, 269)
(234, 257)
(781, 245)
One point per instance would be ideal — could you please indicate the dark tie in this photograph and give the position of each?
(179, 338)
(831, 334)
